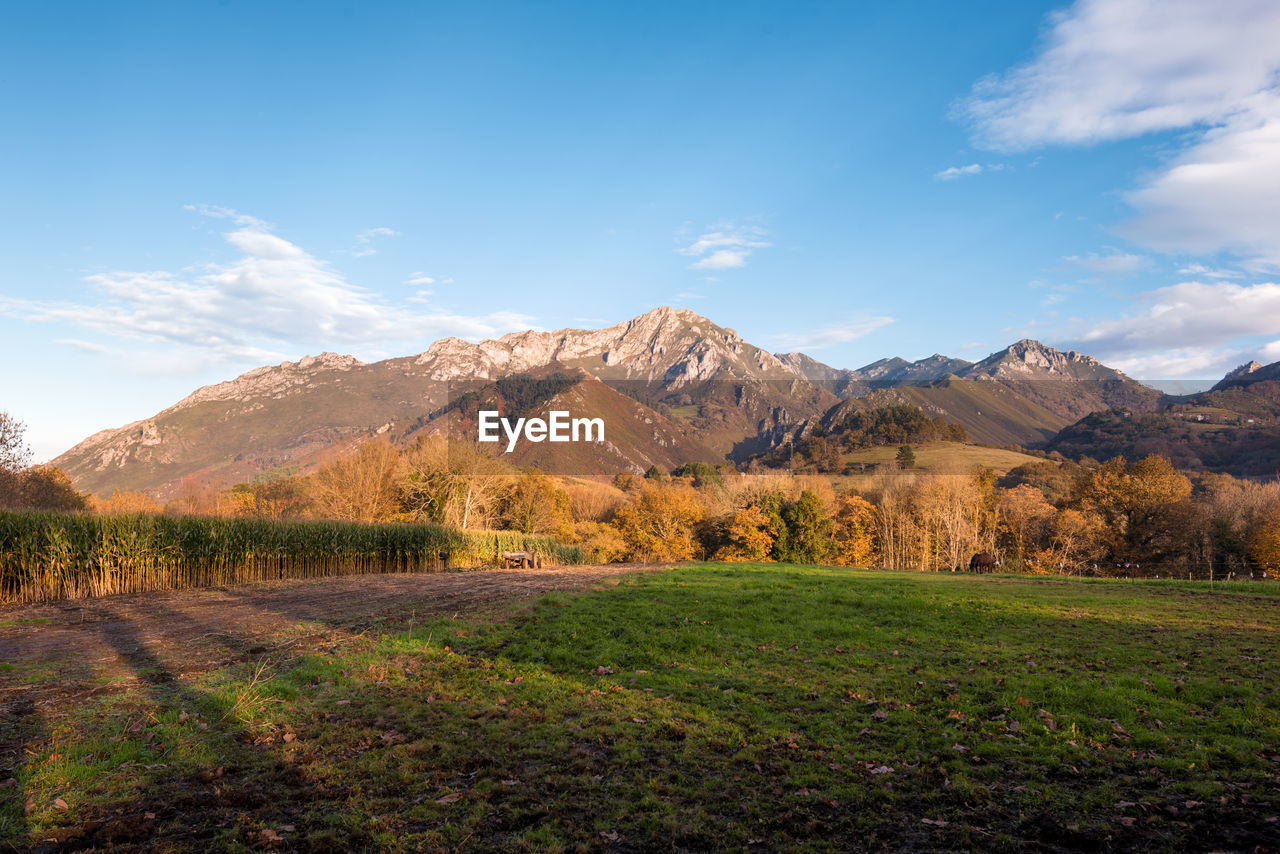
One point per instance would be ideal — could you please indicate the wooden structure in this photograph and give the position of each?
(522, 560)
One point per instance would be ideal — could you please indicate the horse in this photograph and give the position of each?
(982, 562)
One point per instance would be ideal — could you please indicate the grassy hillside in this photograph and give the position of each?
(716, 707)
(991, 413)
(944, 457)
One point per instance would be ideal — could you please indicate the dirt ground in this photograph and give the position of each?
(61, 652)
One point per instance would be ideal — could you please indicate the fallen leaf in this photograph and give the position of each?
(60, 805)
(935, 823)
(288, 736)
(450, 798)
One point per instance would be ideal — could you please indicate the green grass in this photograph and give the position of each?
(715, 707)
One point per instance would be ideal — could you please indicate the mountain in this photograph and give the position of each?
(880, 374)
(1066, 383)
(897, 371)
(704, 377)
(677, 387)
(1234, 427)
(1248, 375)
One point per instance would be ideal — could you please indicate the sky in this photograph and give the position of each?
(194, 189)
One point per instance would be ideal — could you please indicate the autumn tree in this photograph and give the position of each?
(854, 531)
(744, 535)
(1026, 524)
(451, 483)
(125, 503)
(659, 525)
(1140, 504)
(533, 504)
(1264, 539)
(358, 487)
(49, 488)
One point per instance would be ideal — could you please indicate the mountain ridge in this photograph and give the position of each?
(703, 381)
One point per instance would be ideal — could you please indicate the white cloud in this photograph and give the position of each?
(420, 278)
(828, 336)
(726, 248)
(1113, 69)
(1115, 264)
(1186, 328)
(954, 172)
(1208, 272)
(275, 301)
(364, 240)
(1223, 193)
(1116, 69)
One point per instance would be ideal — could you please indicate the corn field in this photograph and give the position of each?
(47, 556)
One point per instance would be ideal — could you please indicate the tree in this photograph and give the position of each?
(358, 487)
(746, 535)
(906, 457)
(854, 531)
(659, 524)
(1264, 539)
(1026, 523)
(535, 505)
(126, 504)
(1141, 505)
(809, 531)
(14, 453)
(451, 483)
(48, 488)
(701, 474)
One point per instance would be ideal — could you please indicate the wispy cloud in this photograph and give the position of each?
(726, 248)
(1200, 270)
(827, 336)
(1117, 69)
(364, 240)
(1115, 264)
(954, 172)
(274, 301)
(420, 279)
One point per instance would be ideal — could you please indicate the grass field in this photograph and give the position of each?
(713, 707)
(944, 457)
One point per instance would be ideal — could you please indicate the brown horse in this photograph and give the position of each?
(982, 562)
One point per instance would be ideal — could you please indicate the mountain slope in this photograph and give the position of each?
(636, 436)
(1066, 383)
(703, 375)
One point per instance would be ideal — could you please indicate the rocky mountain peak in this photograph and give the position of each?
(271, 380)
(1243, 370)
(1249, 373)
(1031, 356)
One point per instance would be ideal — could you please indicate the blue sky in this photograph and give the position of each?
(194, 189)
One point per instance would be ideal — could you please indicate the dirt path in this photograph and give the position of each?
(55, 653)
